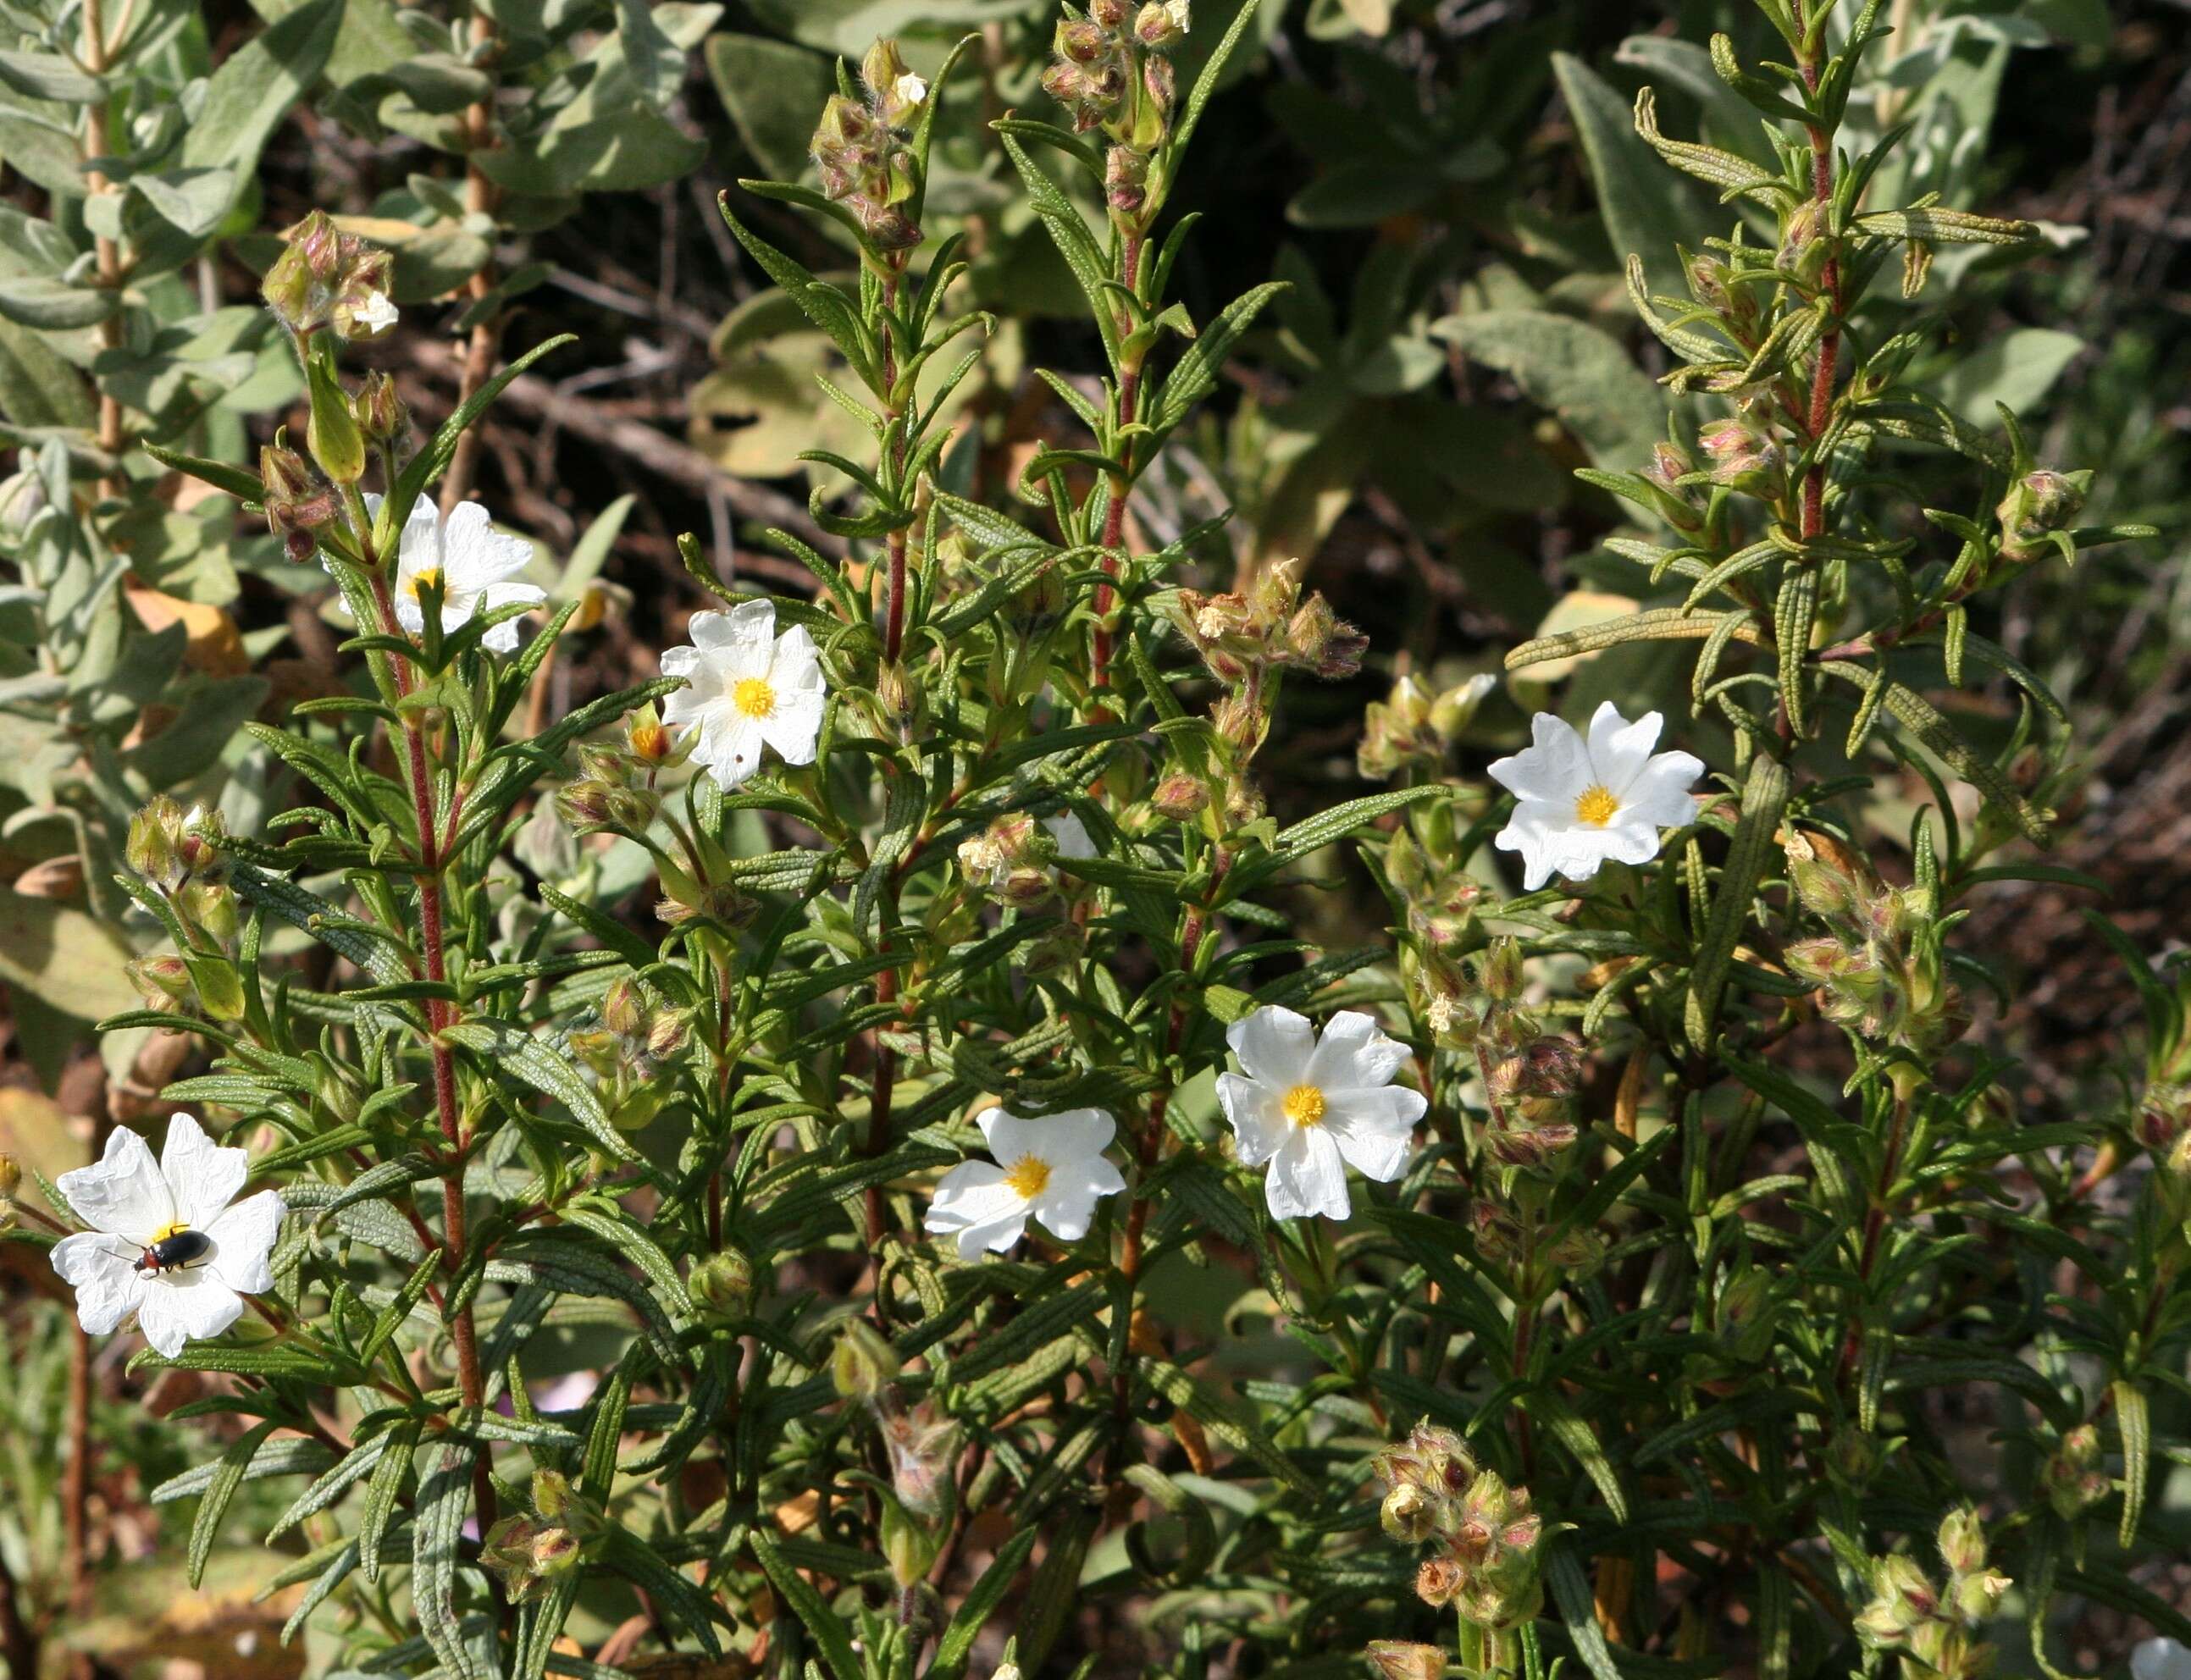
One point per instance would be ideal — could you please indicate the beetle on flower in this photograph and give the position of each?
(168, 1240)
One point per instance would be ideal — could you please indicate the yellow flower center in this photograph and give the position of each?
(754, 697)
(1304, 1105)
(418, 580)
(1597, 807)
(167, 1231)
(1028, 1177)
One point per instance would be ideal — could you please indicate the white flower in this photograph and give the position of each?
(2160, 1659)
(377, 313)
(1581, 804)
(1311, 1108)
(1181, 12)
(1050, 1169)
(131, 1203)
(471, 560)
(746, 687)
(1071, 835)
(910, 89)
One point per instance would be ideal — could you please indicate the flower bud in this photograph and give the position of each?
(154, 832)
(1397, 1660)
(1456, 708)
(1743, 1316)
(1180, 797)
(209, 906)
(1439, 1581)
(163, 982)
(1499, 1233)
(1742, 457)
(861, 1363)
(1500, 972)
(624, 1010)
(1154, 25)
(2037, 505)
(722, 1285)
(11, 1178)
(1962, 1540)
(2073, 1478)
(380, 413)
(1824, 888)
(1804, 245)
(1108, 13)
(1409, 1514)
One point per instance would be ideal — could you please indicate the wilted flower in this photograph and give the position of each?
(1051, 1169)
(1312, 1107)
(168, 1240)
(746, 688)
(1397, 1660)
(1581, 804)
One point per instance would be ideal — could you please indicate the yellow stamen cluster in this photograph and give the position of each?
(1027, 1177)
(1304, 1105)
(1597, 806)
(754, 697)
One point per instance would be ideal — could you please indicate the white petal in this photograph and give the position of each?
(795, 728)
(202, 1178)
(1555, 767)
(103, 1272)
(474, 555)
(2160, 1659)
(1375, 1130)
(243, 1238)
(1252, 1110)
(1618, 750)
(122, 1192)
(1273, 1045)
(1011, 1136)
(1308, 1177)
(748, 629)
(974, 1201)
(1067, 1205)
(794, 662)
(186, 1305)
(1527, 832)
(412, 617)
(1629, 839)
(730, 750)
(1661, 794)
(1354, 1052)
(1071, 835)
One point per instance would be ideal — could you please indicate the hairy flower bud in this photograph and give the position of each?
(1409, 1514)
(722, 1285)
(162, 981)
(1499, 970)
(861, 1363)
(1397, 1660)
(1742, 457)
(1180, 797)
(380, 413)
(2037, 505)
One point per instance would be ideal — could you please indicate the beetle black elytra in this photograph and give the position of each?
(174, 1252)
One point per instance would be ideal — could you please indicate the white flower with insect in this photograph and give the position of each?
(746, 688)
(168, 1240)
(1052, 1170)
(910, 89)
(1310, 1107)
(377, 313)
(472, 563)
(1583, 801)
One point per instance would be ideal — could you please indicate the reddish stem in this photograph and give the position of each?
(1830, 347)
(1121, 484)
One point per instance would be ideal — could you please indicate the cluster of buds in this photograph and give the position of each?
(327, 278)
(2073, 1478)
(1442, 898)
(1743, 457)
(921, 1444)
(177, 854)
(614, 793)
(1879, 968)
(530, 1552)
(1488, 1561)
(1936, 1630)
(1413, 727)
(626, 1053)
(864, 152)
(1504, 1234)
(2036, 512)
(1011, 861)
(1110, 72)
(1243, 634)
(298, 500)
